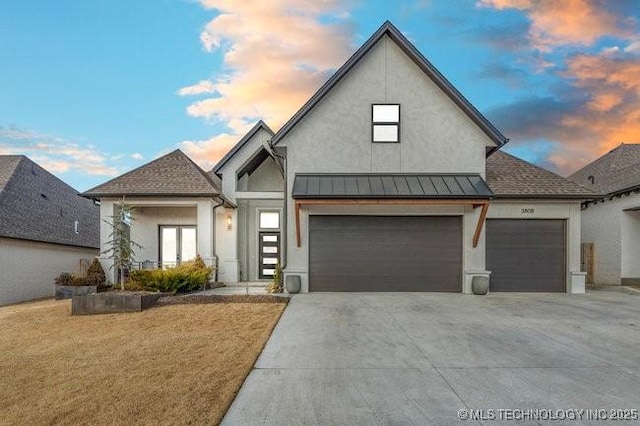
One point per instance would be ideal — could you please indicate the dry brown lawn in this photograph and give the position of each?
(173, 364)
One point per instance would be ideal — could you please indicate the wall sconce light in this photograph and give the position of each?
(229, 222)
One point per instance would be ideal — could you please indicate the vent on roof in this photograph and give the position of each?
(591, 179)
(76, 226)
(43, 196)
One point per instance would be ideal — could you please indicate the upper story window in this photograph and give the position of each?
(386, 122)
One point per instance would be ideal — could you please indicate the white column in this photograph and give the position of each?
(106, 213)
(575, 278)
(227, 244)
(473, 257)
(205, 230)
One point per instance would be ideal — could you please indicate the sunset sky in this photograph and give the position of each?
(90, 89)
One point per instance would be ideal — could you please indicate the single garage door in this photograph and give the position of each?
(385, 253)
(526, 255)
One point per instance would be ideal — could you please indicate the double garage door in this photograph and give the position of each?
(424, 253)
(385, 253)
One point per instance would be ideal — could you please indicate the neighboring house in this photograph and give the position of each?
(387, 179)
(611, 222)
(46, 228)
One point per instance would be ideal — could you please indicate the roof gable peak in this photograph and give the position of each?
(174, 173)
(241, 143)
(387, 28)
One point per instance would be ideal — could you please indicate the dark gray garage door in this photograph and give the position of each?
(526, 255)
(385, 253)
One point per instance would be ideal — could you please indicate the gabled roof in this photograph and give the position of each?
(173, 174)
(37, 206)
(410, 50)
(386, 185)
(511, 177)
(241, 143)
(8, 165)
(614, 172)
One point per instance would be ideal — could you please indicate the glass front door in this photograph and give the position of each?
(177, 244)
(269, 253)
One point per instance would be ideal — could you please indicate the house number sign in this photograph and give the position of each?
(528, 211)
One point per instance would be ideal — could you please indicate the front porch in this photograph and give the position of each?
(169, 230)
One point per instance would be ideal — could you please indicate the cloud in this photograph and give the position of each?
(504, 37)
(514, 77)
(207, 152)
(137, 156)
(568, 22)
(54, 153)
(593, 94)
(599, 110)
(203, 86)
(276, 54)
(633, 47)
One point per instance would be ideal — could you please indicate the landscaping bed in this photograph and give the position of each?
(113, 302)
(204, 299)
(181, 362)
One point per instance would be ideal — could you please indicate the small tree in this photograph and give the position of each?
(95, 274)
(276, 285)
(122, 249)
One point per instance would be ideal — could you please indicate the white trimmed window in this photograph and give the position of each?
(385, 123)
(269, 220)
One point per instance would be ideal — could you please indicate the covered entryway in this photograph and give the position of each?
(385, 253)
(526, 255)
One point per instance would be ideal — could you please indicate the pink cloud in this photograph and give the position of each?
(203, 86)
(277, 54)
(562, 22)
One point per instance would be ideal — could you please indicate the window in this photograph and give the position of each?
(386, 122)
(269, 220)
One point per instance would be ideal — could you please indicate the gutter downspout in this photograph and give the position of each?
(215, 248)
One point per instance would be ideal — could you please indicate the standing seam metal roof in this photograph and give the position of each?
(406, 186)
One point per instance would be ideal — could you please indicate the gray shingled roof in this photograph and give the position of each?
(8, 164)
(614, 172)
(173, 174)
(511, 177)
(35, 205)
(405, 186)
(427, 67)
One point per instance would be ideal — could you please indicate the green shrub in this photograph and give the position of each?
(131, 285)
(95, 274)
(184, 278)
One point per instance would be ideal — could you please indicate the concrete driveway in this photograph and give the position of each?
(407, 358)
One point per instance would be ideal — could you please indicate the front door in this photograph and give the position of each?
(177, 244)
(269, 254)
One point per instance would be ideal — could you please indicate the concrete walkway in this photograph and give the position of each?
(407, 358)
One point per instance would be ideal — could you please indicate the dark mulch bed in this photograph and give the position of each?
(236, 298)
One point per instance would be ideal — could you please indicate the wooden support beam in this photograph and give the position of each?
(298, 223)
(481, 220)
(355, 201)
